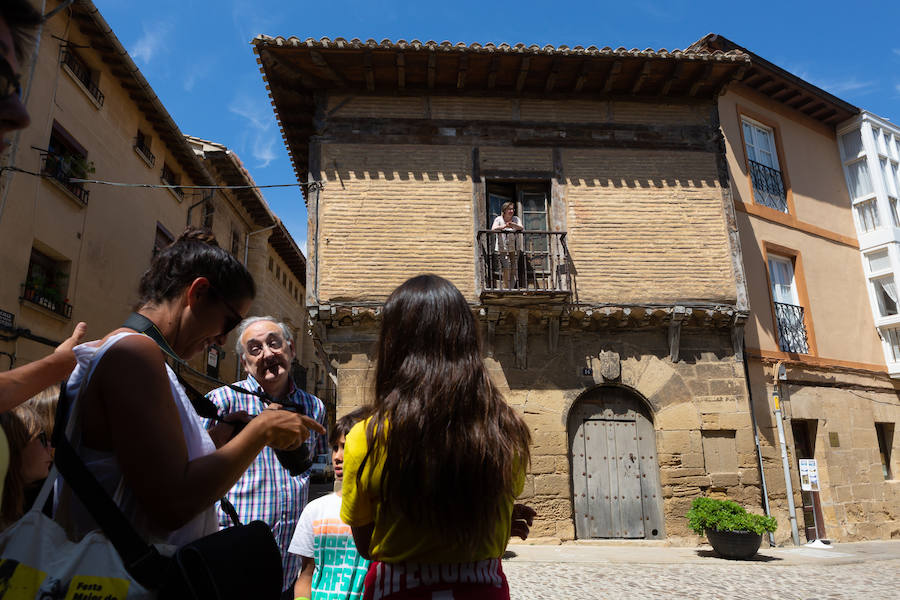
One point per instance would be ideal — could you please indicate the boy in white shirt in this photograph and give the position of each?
(331, 567)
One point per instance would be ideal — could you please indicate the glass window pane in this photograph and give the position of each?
(852, 144)
(892, 337)
(858, 179)
(886, 294)
(535, 221)
(878, 261)
(867, 215)
(895, 216)
(534, 202)
(889, 180)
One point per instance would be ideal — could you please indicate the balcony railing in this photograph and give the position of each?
(41, 298)
(524, 261)
(55, 166)
(82, 74)
(768, 186)
(141, 147)
(791, 328)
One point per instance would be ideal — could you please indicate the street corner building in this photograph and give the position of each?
(615, 321)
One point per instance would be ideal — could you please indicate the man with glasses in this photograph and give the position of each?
(267, 491)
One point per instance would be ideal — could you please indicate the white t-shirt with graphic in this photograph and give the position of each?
(321, 535)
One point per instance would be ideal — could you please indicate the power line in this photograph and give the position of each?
(311, 184)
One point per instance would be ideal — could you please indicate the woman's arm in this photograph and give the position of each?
(303, 585)
(18, 385)
(142, 426)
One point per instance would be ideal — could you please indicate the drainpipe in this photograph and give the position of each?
(779, 418)
(759, 458)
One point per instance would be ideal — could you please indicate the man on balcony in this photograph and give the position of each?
(505, 245)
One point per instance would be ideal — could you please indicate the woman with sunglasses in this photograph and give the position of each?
(29, 452)
(135, 428)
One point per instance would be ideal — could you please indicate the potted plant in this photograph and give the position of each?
(731, 530)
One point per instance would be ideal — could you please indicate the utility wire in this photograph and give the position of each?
(312, 184)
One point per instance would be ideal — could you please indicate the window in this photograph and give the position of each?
(885, 434)
(78, 69)
(762, 162)
(867, 215)
(534, 259)
(886, 295)
(209, 210)
(852, 144)
(277, 272)
(892, 339)
(235, 241)
(65, 160)
(792, 335)
(142, 147)
(162, 239)
(878, 261)
(858, 179)
(169, 177)
(47, 283)
(271, 264)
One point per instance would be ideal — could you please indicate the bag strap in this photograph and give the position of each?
(142, 560)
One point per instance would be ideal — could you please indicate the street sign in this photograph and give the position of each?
(7, 319)
(809, 475)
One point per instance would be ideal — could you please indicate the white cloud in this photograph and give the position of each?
(843, 86)
(194, 73)
(152, 41)
(897, 87)
(260, 131)
(249, 20)
(897, 51)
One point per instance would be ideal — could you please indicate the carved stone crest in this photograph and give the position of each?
(610, 369)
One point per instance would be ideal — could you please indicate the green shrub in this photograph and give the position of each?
(726, 515)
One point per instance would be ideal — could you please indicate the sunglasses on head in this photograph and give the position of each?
(9, 81)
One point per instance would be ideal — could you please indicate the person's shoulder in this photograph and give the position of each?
(131, 347)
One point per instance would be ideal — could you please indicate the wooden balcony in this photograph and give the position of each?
(524, 267)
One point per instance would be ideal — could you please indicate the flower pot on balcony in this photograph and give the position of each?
(734, 545)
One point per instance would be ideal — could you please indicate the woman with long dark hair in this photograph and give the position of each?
(430, 478)
(136, 429)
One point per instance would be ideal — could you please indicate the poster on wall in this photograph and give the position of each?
(809, 475)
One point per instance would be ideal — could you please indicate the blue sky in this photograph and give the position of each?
(197, 55)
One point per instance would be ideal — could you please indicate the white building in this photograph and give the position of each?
(870, 152)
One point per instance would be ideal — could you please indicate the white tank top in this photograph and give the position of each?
(74, 517)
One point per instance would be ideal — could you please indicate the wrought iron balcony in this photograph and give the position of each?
(42, 298)
(524, 263)
(142, 147)
(55, 166)
(791, 328)
(768, 186)
(82, 74)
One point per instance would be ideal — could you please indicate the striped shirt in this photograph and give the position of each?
(267, 491)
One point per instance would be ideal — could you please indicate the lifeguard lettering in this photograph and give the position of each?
(390, 579)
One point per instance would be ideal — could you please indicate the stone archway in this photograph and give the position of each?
(615, 473)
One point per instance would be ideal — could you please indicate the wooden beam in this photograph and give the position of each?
(771, 87)
(753, 75)
(642, 76)
(673, 78)
(432, 70)
(551, 78)
(614, 70)
(814, 108)
(520, 338)
(803, 101)
(785, 94)
(524, 64)
(492, 72)
(320, 62)
(704, 77)
(370, 72)
(822, 116)
(461, 74)
(583, 75)
(401, 71)
(761, 82)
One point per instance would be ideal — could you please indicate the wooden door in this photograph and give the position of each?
(615, 480)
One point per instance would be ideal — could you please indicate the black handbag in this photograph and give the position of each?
(240, 562)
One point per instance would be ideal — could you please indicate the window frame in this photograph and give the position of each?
(758, 120)
(794, 256)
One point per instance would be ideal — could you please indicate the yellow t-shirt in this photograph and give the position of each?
(395, 539)
(4, 459)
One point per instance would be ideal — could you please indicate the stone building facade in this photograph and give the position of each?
(617, 331)
(810, 302)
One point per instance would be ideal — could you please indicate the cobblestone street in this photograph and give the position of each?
(783, 574)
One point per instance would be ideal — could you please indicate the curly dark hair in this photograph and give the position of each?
(194, 254)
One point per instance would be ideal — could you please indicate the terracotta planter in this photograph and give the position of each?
(735, 545)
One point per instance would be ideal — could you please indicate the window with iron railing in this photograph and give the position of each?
(792, 335)
(142, 145)
(65, 160)
(46, 284)
(169, 177)
(762, 162)
(524, 261)
(82, 73)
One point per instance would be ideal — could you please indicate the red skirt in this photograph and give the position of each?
(478, 580)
